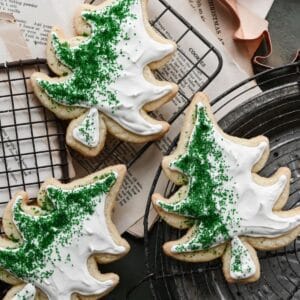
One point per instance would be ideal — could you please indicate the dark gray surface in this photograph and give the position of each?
(285, 31)
(131, 270)
(284, 19)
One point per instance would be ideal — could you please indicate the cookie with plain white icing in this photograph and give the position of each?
(104, 77)
(52, 247)
(228, 210)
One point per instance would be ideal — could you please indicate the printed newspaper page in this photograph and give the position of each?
(36, 17)
(23, 130)
(29, 139)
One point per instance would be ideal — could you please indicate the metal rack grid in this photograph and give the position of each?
(32, 145)
(201, 69)
(275, 112)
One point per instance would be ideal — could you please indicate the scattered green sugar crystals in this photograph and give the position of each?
(241, 263)
(85, 130)
(210, 199)
(27, 293)
(88, 131)
(44, 235)
(93, 63)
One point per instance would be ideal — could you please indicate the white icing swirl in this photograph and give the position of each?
(241, 263)
(88, 132)
(27, 293)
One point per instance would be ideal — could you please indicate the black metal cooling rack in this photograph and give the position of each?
(275, 113)
(32, 141)
(202, 64)
(32, 146)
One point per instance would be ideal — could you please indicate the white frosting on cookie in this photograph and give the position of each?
(73, 275)
(62, 269)
(27, 293)
(253, 202)
(133, 90)
(88, 132)
(243, 204)
(241, 263)
(129, 85)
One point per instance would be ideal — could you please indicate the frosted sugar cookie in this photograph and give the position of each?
(104, 77)
(229, 210)
(51, 248)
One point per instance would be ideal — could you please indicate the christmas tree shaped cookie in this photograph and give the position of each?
(105, 81)
(229, 210)
(51, 248)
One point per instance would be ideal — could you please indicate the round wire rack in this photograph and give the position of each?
(272, 109)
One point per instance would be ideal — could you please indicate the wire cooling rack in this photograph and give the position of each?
(275, 113)
(199, 64)
(32, 143)
(32, 146)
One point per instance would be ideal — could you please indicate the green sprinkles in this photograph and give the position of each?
(88, 131)
(209, 200)
(43, 235)
(241, 264)
(27, 293)
(94, 62)
(85, 130)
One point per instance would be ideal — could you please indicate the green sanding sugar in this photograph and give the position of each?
(241, 261)
(209, 196)
(236, 266)
(93, 63)
(86, 130)
(44, 235)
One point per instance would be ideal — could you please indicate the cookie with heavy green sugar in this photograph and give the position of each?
(52, 247)
(104, 77)
(228, 210)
